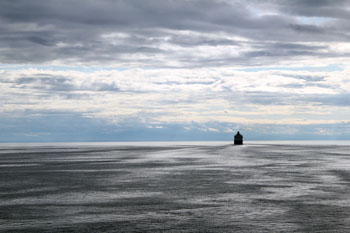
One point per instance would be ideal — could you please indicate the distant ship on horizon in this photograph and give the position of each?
(238, 139)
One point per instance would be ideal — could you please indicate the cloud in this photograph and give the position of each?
(166, 95)
(167, 33)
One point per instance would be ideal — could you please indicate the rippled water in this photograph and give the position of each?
(183, 187)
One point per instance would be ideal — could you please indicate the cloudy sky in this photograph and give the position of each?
(140, 70)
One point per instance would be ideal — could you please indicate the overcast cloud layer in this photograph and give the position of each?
(153, 33)
(188, 67)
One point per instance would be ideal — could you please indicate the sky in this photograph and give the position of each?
(166, 70)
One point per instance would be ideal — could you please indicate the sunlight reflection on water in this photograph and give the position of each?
(180, 187)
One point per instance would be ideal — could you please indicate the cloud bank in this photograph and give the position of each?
(167, 33)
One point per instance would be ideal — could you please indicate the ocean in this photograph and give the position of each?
(175, 187)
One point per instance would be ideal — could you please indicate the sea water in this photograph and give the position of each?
(175, 187)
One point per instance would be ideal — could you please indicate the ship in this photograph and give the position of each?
(238, 139)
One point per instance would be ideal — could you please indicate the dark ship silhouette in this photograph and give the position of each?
(238, 139)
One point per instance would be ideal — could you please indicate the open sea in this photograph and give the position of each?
(291, 186)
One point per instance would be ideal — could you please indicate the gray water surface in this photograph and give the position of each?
(183, 187)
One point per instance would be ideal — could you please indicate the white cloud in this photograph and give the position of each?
(182, 95)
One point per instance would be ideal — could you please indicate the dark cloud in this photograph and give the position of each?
(341, 99)
(309, 78)
(315, 8)
(149, 33)
(59, 85)
(44, 83)
(190, 41)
